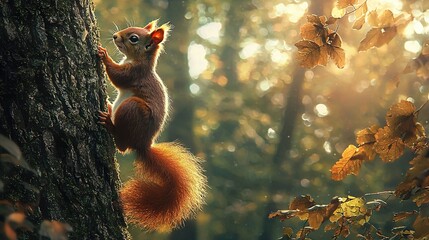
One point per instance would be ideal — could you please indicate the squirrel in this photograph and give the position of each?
(169, 185)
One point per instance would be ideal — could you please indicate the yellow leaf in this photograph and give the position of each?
(353, 208)
(349, 207)
(388, 146)
(338, 12)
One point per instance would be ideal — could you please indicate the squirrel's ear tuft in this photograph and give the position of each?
(152, 25)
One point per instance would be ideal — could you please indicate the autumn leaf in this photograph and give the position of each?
(316, 216)
(365, 139)
(350, 207)
(387, 145)
(313, 32)
(372, 18)
(308, 53)
(331, 20)
(353, 207)
(345, 3)
(334, 50)
(385, 19)
(403, 215)
(357, 25)
(361, 10)
(338, 12)
(385, 28)
(421, 225)
(401, 118)
(302, 202)
(416, 177)
(377, 37)
(350, 163)
(383, 31)
(421, 198)
(315, 29)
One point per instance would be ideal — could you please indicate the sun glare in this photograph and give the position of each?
(197, 59)
(210, 32)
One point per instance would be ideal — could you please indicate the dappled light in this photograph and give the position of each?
(291, 103)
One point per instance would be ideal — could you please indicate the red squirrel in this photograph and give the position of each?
(169, 184)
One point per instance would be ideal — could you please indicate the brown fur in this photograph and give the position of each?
(169, 185)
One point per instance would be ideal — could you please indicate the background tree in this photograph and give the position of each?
(51, 89)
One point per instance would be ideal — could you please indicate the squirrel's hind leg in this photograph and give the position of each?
(133, 117)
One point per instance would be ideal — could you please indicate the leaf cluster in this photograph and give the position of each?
(321, 43)
(389, 142)
(402, 130)
(340, 215)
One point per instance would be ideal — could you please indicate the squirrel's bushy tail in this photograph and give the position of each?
(169, 186)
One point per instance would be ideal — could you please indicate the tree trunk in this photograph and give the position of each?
(51, 89)
(293, 108)
(290, 115)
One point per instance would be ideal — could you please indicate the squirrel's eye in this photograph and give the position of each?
(134, 39)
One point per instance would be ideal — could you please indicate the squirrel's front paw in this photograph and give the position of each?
(102, 52)
(106, 120)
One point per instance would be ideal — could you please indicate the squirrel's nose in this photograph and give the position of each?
(115, 36)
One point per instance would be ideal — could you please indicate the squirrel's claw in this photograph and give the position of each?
(102, 52)
(106, 120)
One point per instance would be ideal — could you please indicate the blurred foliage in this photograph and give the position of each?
(19, 195)
(241, 62)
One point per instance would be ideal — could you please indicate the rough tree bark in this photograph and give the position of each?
(51, 89)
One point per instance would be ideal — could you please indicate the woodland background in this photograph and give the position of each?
(268, 129)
